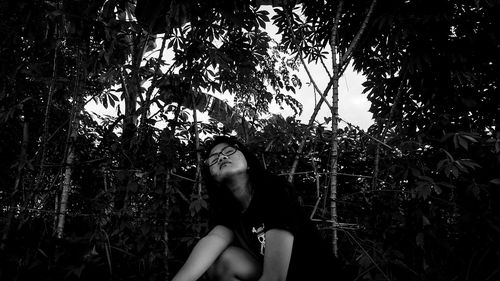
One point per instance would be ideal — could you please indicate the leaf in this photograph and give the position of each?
(461, 168)
(463, 143)
(111, 102)
(364, 261)
(469, 163)
(114, 97)
(471, 139)
(78, 270)
(42, 252)
(419, 239)
(425, 221)
(105, 102)
(437, 189)
(423, 190)
(446, 184)
(495, 181)
(203, 204)
(441, 164)
(425, 179)
(290, 88)
(455, 141)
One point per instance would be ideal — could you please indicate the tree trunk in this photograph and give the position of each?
(338, 68)
(129, 132)
(68, 170)
(69, 155)
(70, 149)
(316, 88)
(131, 87)
(166, 250)
(334, 169)
(154, 80)
(334, 144)
(66, 185)
(197, 146)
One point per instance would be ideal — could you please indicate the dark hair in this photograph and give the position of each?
(223, 205)
(221, 199)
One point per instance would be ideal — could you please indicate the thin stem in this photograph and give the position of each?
(47, 113)
(348, 54)
(368, 255)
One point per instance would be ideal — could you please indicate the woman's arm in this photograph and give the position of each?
(277, 256)
(205, 253)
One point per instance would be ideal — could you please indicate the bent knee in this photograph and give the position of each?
(222, 267)
(235, 264)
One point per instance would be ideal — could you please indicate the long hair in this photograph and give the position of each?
(220, 198)
(222, 203)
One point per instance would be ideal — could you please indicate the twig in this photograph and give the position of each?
(368, 255)
(339, 225)
(326, 173)
(366, 134)
(347, 55)
(181, 177)
(299, 53)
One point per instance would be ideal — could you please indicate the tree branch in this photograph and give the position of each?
(347, 55)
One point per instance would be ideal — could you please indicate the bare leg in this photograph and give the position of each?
(235, 264)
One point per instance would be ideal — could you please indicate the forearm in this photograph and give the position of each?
(203, 256)
(197, 263)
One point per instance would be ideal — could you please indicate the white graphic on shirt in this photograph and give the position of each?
(261, 236)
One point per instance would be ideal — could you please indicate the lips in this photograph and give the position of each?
(224, 164)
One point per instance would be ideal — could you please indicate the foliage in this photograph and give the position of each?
(135, 205)
(430, 78)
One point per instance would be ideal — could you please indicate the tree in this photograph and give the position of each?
(124, 161)
(418, 195)
(325, 23)
(430, 80)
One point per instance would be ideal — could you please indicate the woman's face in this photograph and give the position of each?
(226, 165)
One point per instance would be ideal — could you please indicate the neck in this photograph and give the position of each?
(241, 189)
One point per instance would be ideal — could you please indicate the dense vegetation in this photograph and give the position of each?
(87, 197)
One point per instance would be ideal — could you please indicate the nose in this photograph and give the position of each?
(221, 156)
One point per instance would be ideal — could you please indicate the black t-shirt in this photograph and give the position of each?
(274, 207)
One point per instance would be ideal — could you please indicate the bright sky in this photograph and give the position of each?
(353, 105)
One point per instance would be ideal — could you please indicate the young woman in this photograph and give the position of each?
(259, 230)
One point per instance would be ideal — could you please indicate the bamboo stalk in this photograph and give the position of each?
(70, 151)
(197, 146)
(334, 142)
(166, 250)
(66, 188)
(154, 80)
(322, 94)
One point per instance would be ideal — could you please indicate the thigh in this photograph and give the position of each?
(235, 263)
